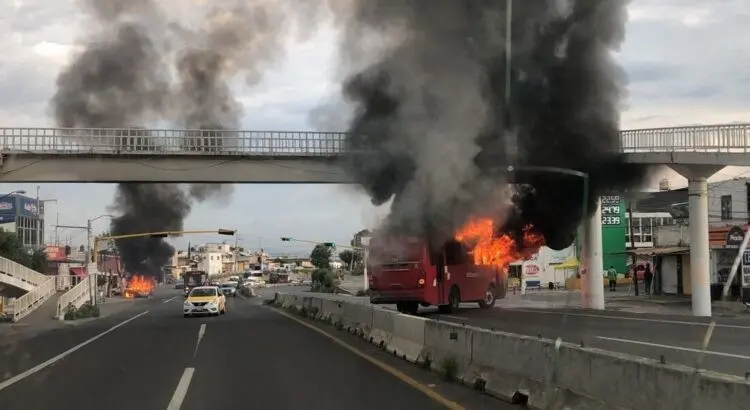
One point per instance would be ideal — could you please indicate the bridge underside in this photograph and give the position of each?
(243, 169)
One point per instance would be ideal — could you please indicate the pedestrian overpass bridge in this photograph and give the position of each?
(161, 155)
(170, 155)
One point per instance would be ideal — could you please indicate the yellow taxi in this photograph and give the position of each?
(205, 300)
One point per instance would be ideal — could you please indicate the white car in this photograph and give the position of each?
(205, 300)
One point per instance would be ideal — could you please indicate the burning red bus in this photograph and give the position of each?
(469, 268)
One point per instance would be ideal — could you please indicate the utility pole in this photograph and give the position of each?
(632, 244)
(38, 244)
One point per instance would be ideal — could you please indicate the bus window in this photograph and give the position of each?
(455, 253)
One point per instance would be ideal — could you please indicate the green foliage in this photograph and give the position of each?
(85, 311)
(12, 248)
(347, 256)
(322, 281)
(320, 256)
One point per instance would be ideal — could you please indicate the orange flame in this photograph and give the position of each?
(498, 252)
(138, 285)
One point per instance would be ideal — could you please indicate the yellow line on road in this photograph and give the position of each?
(383, 366)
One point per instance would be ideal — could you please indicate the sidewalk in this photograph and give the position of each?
(620, 301)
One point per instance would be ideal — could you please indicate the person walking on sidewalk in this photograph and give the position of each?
(648, 276)
(612, 276)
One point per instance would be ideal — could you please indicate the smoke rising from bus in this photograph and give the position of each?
(432, 130)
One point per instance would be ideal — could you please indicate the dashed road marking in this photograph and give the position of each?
(182, 388)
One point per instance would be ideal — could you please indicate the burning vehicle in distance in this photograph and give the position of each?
(139, 286)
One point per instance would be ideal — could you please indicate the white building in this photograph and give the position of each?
(546, 266)
(211, 263)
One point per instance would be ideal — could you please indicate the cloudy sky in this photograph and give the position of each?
(687, 62)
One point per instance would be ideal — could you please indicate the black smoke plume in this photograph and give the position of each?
(432, 130)
(122, 79)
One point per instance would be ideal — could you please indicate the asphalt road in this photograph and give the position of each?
(253, 357)
(678, 338)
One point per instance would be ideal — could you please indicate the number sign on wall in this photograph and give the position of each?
(612, 211)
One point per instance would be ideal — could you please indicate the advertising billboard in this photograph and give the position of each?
(8, 206)
(28, 207)
(55, 253)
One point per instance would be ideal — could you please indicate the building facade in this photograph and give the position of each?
(24, 216)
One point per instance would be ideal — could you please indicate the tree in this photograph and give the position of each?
(320, 256)
(12, 248)
(348, 257)
(357, 240)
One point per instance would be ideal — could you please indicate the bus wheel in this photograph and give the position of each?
(454, 299)
(489, 298)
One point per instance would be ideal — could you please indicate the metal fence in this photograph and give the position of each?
(725, 138)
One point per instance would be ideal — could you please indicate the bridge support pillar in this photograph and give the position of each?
(700, 268)
(592, 282)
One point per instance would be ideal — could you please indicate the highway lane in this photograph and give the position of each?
(679, 339)
(251, 357)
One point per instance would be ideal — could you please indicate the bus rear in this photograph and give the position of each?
(405, 272)
(397, 271)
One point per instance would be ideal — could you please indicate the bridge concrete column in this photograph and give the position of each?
(700, 267)
(592, 282)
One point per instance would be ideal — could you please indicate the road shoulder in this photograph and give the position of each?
(426, 381)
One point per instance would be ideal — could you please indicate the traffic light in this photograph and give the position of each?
(67, 250)
(286, 239)
(329, 244)
(229, 232)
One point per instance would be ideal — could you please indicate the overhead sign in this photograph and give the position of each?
(735, 236)
(612, 211)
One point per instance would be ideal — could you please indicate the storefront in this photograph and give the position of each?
(725, 243)
(20, 214)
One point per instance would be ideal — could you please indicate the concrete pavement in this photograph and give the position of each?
(252, 357)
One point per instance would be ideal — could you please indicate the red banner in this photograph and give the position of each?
(55, 253)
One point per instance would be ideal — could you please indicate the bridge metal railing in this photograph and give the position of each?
(163, 142)
(77, 295)
(30, 301)
(722, 138)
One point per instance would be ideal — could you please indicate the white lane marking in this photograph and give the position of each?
(201, 333)
(169, 300)
(636, 319)
(62, 355)
(182, 388)
(684, 349)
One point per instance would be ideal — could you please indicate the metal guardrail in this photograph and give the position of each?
(21, 273)
(32, 300)
(723, 138)
(77, 295)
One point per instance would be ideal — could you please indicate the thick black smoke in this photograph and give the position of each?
(432, 130)
(122, 79)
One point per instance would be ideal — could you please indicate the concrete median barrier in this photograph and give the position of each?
(382, 327)
(550, 375)
(448, 348)
(357, 319)
(408, 340)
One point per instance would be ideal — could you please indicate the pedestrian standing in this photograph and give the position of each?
(612, 276)
(648, 277)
